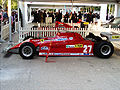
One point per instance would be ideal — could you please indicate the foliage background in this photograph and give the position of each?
(13, 4)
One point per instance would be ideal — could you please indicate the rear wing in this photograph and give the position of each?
(111, 36)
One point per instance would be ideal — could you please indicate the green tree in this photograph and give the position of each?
(0, 2)
(13, 4)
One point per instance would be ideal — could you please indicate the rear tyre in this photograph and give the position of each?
(27, 50)
(93, 38)
(103, 49)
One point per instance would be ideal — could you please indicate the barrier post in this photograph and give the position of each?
(0, 27)
(9, 14)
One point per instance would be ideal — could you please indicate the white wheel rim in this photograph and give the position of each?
(105, 49)
(27, 51)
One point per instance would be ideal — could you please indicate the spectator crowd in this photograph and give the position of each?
(5, 20)
(39, 16)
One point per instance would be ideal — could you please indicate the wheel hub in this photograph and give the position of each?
(105, 49)
(27, 51)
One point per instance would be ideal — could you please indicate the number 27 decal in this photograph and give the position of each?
(87, 47)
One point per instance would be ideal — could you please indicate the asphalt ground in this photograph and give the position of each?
(66, 73)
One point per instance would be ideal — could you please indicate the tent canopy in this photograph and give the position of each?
(76, 1)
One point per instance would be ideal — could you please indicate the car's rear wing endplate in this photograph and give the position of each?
(111, 36)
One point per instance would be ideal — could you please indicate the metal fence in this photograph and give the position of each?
(48, 32)
(5, 30)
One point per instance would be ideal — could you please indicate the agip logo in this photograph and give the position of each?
(44, 48)
(78, 45)
(75, 46)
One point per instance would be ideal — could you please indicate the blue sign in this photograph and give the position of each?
(44, 48)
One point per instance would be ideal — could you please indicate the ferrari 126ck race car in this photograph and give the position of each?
(65, 44)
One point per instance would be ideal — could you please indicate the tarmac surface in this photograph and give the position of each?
(66, 73)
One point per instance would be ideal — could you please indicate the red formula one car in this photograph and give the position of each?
(66, 44)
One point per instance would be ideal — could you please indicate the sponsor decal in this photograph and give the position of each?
(61, 39)
(57, 53)
(86, 53)
(74, 46)
(51, 53)
(70, 38)
(44, 48)
(78, 45)
(74, 53)
(36, 40)
(41, 40)
(66, 53)
(81, 53)
(70, 46)
(90, 53)
(71, 54)
(42, 53)
(116, 37)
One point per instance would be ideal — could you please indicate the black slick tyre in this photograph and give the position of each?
(103, 49)
(27, 50)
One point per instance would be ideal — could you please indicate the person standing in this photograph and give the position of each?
(75, 17)
(88, 18)
(51, 15)
(44, 16)
(79, 15)
(1, 13)
(70, 17)
(60, 16)
(57, 16)
(0, 22)
(13, 22)
(5, 17)
(35, 17)
(66, 17)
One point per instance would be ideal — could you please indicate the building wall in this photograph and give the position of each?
(117, 10)
(24, 8)
(103, 12)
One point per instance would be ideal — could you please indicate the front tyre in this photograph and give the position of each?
(27, 50)
(103, 49)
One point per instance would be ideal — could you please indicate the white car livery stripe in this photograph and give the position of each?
(58, 54)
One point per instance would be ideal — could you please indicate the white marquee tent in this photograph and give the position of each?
(23, 4)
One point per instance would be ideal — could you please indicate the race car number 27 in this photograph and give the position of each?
(87, 48)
